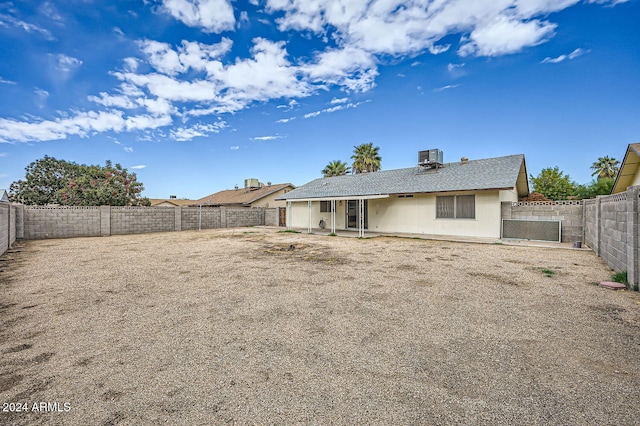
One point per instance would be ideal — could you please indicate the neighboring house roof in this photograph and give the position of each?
(4, 197)
(242, 196)
(491, 173)
(628, 169)
(173, 201)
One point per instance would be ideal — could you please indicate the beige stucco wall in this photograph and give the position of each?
(636, 179)
(270, 200)
(417, 215)
(300, 215)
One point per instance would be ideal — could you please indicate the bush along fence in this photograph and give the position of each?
(39, 222)
(607, 224)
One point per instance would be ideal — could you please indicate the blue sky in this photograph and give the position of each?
(197, 95)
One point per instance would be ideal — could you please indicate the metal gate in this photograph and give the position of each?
(539, 230)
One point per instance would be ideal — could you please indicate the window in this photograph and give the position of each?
(456, 207)
(325, 206)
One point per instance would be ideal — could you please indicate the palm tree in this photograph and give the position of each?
(336, 168)
(366, 158)
(605, 167)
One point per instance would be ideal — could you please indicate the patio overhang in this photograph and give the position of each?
(341, 198)
(361, 210)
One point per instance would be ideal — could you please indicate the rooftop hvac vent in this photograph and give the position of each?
(251, 183)
(430, 158)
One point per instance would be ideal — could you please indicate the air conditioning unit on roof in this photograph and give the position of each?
(430, 158)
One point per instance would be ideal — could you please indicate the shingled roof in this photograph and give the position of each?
(241, 196)
(491, 173)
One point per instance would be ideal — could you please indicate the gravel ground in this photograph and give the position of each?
(252, 326)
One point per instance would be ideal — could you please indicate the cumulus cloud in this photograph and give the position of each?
(572, 55)
(192, 80)
(213, 16)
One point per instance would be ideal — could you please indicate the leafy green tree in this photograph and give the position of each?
(52, 181)
(553, 184)
(366, 158)
(601, 186)
(605, 167)
(336, 168)
(44, 180)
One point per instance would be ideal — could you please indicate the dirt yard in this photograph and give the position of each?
(252, 326)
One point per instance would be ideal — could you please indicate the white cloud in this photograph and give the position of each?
(338, 107)
(183, 134)
(266, 138)
(290, 105)
(448, 86)
(339, 101)
(572, 55)
(436, 50)
(213, 16)
(80, 124)
(64, 66)
(41, 97)
(138, 167)
(10, 21)
(128, 149)
(504, 35)
(351, 39)
(234, 147)
(4, 154)
(3, 81)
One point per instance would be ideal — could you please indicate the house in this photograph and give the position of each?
(254, 194)
(453, 199)
(171, 202)
(628, 174)
(4, 197)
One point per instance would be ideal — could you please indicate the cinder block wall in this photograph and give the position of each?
(570, 213)
(140, 220)
(191, 218)
(12, 225)
(271, 217)
(590, 228)
(61, 222)
(4, 227)
(613, 241)
(36, 222)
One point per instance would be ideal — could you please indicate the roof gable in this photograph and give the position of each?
(491, 173)
(242, 195)
(628, 169)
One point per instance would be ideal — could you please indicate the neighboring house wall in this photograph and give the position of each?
(636, 180)
(415, 215)
(270, 200)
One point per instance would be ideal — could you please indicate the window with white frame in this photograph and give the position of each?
(325, 206)
(456, 207)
